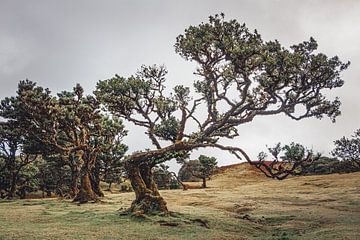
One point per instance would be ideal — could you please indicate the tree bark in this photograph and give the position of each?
(95, 184)
(148, 199)
(95, 181)
(12, 189)
(86, 193)
(74, 190)
(109, 186)
(203, 182)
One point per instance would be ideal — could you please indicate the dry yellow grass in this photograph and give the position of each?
(240, 203)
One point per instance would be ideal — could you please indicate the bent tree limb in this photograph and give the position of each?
(240, 77)
(179, 181)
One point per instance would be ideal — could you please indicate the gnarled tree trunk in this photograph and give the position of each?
(86, 193)
(148, 199)
(74, 190)
(95, 180)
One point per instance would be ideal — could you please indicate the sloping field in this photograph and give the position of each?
(240, 203)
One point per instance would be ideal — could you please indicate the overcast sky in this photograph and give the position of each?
(61, 43)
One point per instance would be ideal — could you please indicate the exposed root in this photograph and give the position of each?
(167, 223)
(85, 197)
(203, 223)
(149, 204)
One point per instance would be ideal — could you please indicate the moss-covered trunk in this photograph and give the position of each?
(148, 199)
(75, 175)
(95, 180)
(86, 193)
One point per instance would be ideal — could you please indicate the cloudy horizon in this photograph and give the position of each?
(60, 43)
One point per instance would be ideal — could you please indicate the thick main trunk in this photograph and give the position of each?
(95, 181)
(203, 183)
(109, 186)
(86, 193)
(12, 189)
(95, 184)
(74, 189)
(148, 199)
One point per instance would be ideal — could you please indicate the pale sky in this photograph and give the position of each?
(61, 43)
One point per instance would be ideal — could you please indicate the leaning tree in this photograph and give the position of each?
(71, 125)
(239, 77)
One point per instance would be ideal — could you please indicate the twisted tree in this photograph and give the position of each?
(240, 77)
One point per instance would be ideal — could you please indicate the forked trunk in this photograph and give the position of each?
(148, 199)
(86, 193)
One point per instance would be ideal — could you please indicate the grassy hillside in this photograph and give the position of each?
(239, 204)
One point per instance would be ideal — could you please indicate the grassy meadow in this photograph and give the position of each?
(239, 204)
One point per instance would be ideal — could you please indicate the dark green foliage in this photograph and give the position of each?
(54, 176)
(348, 150)
(326, 165)
(291, 159)
(207, 165)
(185, 174)
(167, 129)
(70, 126)
(201, 168)
(165, 179)
(16, 171)
(229, 55)
(110, 164)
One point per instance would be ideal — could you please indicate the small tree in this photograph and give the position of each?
(348, 150)
(240, 77)
(111, 166)
(185, 173)
(204, 169)
(293, 159)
